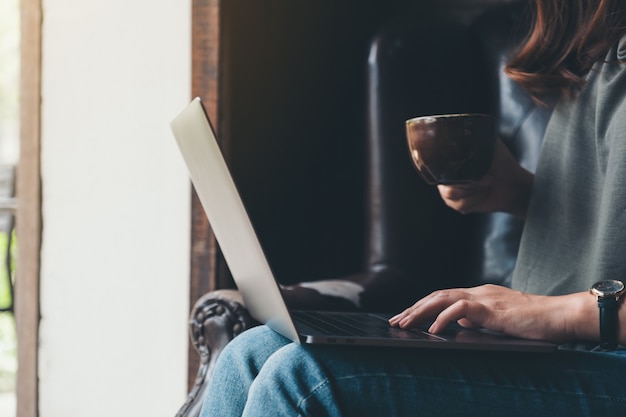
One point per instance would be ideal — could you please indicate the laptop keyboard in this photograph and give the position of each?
(353, 324)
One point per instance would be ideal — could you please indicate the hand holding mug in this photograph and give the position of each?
(473, 171)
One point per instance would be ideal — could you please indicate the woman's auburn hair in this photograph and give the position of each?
(566, 39)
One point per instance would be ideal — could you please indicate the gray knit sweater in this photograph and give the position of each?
(575, 232)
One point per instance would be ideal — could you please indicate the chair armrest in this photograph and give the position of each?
(216, 318)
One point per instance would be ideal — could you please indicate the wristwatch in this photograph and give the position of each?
(608, 294)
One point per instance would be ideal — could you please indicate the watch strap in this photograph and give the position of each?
(608, 307)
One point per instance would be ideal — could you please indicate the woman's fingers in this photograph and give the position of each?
(470, 307)
(429, 307)
(467, 313)
(466, 198)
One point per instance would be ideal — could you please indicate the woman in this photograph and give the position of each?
(575, 211)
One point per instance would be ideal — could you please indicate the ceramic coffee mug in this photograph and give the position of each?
(451, 148)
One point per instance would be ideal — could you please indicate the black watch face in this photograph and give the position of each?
(608, 287)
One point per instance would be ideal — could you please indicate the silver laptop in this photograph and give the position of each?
(254, 278)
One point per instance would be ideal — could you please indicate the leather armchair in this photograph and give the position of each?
(414, 244)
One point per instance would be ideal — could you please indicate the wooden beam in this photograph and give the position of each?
(28, 219)
(205, 72)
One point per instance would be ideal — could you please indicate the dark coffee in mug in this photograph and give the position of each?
(451, 148)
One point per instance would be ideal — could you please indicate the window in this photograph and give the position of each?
(9, 151)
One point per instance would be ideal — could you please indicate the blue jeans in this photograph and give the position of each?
(260, 373)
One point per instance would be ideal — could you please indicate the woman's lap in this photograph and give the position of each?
(288, 379)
